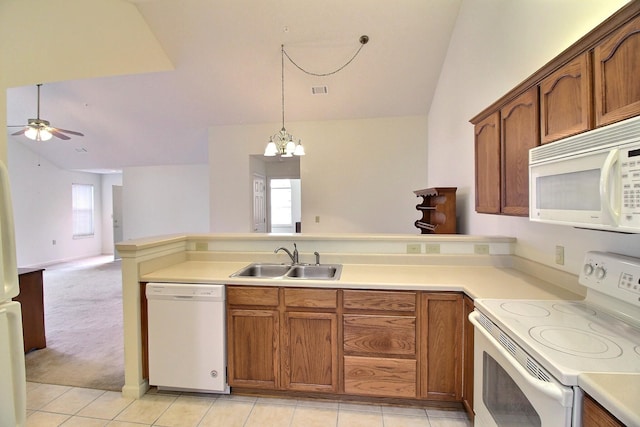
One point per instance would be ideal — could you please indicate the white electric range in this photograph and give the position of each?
(529, 353)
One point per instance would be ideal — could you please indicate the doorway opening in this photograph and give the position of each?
(285, 207)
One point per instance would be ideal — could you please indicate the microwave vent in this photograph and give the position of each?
(608, 136)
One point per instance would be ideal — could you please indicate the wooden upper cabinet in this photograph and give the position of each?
(520, 132)
(487, 147)
(617, 74)
(566, 101)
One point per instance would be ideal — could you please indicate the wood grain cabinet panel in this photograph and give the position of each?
(467, 363)
(380, 301)
(487, 153)
(310, 298)
(442, 346)
(260, 296)
(566, 100)
(594, 415)
(380, 335)
(310, 352)
(372, 376)
(520, 132)
(253, 348)
(617, 67)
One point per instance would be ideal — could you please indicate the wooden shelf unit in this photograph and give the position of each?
(438, 210)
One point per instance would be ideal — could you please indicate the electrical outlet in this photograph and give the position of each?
(414, 248)
(481, 249)
(432, 248)
(202, 246)
(560, 255)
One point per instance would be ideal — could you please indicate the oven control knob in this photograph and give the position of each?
(587, 269)
(600, 273)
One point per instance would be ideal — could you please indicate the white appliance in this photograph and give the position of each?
(13, 385)
(187, 337)
(528, 354)
(590, 180)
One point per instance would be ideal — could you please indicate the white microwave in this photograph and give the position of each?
(590, 180)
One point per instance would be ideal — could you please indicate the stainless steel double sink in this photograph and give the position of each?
(261, 270)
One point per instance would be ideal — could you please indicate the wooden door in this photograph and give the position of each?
(520, 132)
(617, 71)
(487, 148)
(566, 101)
(253, 348)
(310, 352)
(441, 341)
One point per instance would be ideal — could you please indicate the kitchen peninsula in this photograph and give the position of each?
(370, 263)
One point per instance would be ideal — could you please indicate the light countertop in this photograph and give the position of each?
(475, 281)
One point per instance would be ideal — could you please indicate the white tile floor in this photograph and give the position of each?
(54, 405)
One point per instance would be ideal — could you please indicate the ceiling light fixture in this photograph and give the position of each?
(282, 143)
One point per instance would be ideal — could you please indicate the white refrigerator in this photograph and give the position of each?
(13, 384)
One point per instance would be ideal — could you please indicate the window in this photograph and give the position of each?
(281, 202)
(82, 210)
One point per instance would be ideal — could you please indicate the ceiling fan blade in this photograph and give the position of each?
(20, 132)
(72, 132)
(57, 134)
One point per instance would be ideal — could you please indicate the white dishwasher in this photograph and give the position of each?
(187, 337)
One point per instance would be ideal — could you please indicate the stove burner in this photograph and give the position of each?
(524, 309)
(575, 342)
(578, 309)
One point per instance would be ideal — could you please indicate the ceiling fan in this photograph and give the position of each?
(41, 130)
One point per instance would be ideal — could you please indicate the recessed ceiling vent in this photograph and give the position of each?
(319, 90)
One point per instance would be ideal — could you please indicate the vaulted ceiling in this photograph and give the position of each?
(226, 55)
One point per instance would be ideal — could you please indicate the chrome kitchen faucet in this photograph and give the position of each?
(293, 256)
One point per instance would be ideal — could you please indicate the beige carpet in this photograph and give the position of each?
(83, 326)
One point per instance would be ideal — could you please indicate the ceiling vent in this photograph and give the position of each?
(319, 90)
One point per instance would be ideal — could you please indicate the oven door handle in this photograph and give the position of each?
(554, 391)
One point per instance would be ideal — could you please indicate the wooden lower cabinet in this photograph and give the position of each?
(382, 377)
(467, 358)
(383, 344)
(441, 352)
(310, 352)
(594, 415)
(253, 348)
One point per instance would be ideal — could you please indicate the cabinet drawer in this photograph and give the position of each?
(379, 377)
(380, 301)
(381, 335)
(249, 295)
(311, 298)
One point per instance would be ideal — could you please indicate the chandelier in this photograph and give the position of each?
(282, 143)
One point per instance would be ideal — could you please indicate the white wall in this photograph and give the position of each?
(41, 194)
(495, 45)
(357, 175)
(165, 200)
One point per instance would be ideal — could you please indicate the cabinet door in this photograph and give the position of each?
(467, 361)
(487, 147)
(441, 374)
(310, 352)
(376, 376)
(617, 67)
(594, 415)
(565, 100)
(520, 132)
(253, 348)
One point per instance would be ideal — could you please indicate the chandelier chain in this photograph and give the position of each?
(363, 41)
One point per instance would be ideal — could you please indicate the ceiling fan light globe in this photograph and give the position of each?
(44, 135)
(31, 133)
